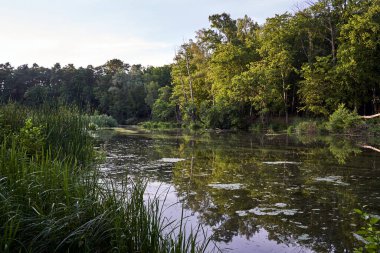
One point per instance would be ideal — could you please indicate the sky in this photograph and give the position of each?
(84, 32)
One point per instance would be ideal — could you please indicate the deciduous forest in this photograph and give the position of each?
(233, 74)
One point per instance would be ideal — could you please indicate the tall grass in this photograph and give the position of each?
(52, 198)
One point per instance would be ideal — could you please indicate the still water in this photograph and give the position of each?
(254, 193)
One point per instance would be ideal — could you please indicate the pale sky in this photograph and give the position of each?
(86, 32)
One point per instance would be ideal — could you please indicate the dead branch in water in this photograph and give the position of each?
(370, 147)
(370, 116)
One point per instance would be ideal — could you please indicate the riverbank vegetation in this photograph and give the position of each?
(369, 233)
(52, 199)
(234, 74)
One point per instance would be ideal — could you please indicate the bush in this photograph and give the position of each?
(222, 117)
(158, 125)
(306, 127)
(256, 128)
(290, 130)
(343, 121)
(31, 137)
(102, 120)
(194, 126)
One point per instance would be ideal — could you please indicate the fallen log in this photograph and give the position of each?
(370, 116)
(370, 147)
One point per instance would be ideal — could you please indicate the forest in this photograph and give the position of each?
(233, 74)
(68, 186)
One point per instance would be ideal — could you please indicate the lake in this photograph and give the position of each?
(252, 192)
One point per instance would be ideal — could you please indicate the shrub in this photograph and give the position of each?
(158, 125)
(31, 138)
(194, 126)
(306, 127)
(222, 116)
(290, 129)
(342, 120)
(256, 128)
(102, 120)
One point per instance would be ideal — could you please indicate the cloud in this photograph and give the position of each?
(47, 46)
(93, 31)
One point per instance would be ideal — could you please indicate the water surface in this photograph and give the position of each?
(254, 193)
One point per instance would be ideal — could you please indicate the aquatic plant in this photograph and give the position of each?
(369, 234)
(52, 199)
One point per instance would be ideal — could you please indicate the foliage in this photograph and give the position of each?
(319, 90)
(342, 120)
(369, 234)
(359, 53)
(306, 127)
(311, 61)
(9, 120)
(163, 109)
(158, 125)
(233, 72)
(102, 120)
(54, 201)
(373, 126)
(256, 128)
(31, 137)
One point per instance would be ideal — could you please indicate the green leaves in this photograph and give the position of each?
(342, 120)
(369, 234)
(31, 137)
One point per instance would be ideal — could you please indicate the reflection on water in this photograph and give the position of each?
(256, 193)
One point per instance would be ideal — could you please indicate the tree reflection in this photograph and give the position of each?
(299, 190)
(323, 203)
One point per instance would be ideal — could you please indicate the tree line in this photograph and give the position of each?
(233, 73)
(116, 88)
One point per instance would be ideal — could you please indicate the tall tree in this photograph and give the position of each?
(359, 54)
(278, 56)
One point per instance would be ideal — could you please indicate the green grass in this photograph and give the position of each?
(53, 200)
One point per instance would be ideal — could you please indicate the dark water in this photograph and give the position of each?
(255, 193)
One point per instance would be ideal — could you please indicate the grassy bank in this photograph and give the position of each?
(341, 122)
(51, 199)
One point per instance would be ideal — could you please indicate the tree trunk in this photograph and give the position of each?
(311, 48)
(190, 87)
(285, 98)
(183, 90)
(332, 39)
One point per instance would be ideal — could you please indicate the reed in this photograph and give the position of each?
(52, 198)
